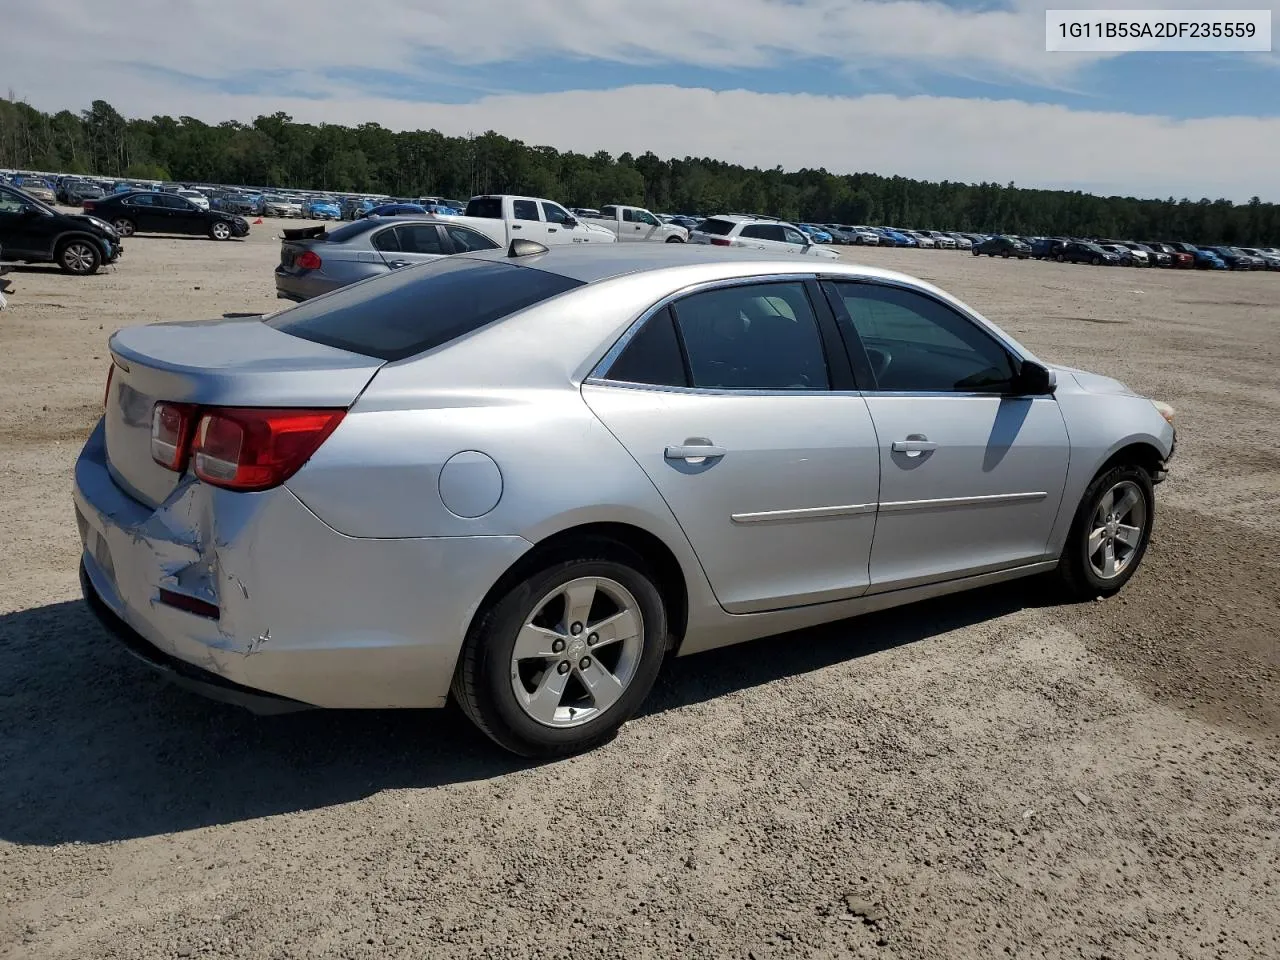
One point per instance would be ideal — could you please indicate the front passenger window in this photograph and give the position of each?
(916, 344)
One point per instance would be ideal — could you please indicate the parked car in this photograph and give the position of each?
(1180, 259)
(278, 205)
(636, 223)
(323, 208)
(815, 233)
(584, 212)
(31, 231)
(1086, 251)
(355, 208)
(36, 187)
(1155, 258)
(154, 212)
(895, 238)
(1270, 259)
(774, 236)
(1046, 248)
(942, 240)
(1002, 246)
(963, 242)
(504, 218)
(73, 192)
(1128, 258)
(397, 210)
(314, 261)
(390, 462)
(1237, 259)
(1204, 259)
(243, 204)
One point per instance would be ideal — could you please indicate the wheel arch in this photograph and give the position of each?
(667, 571)
(68, 235)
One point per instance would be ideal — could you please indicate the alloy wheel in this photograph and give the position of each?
(577, 652)
(221, 231)
(1119, 524)
(124, 227)
(78, 257)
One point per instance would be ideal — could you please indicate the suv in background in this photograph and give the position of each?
(33, 232)
(1002, 246)
(753, 233)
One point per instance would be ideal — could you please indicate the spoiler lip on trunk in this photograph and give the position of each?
(304, 233)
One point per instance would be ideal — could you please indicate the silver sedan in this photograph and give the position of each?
(316, 260)
(520, 479)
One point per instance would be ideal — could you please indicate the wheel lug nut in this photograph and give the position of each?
(593, 639)
(564, 666)
(584, 663)
(576, 629)
(557, 646)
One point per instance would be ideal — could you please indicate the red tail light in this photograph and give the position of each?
(310, 260)
(89, 205)
(721, 241)
(255, 449)
(171, 425)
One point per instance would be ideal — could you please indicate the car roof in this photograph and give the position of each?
(606, 261)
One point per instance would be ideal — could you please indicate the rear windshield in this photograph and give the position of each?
(418, 308)
(717, 227)
(349, 230)
(488, 207)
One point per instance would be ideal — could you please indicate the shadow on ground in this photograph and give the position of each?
(95, 748)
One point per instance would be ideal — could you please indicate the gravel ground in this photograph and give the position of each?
(981, 776)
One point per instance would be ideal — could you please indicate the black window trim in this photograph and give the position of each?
(837, 370)
(858, 355)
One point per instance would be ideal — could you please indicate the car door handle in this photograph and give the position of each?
(397, 263)
(694, 452)
(516, 226)
(914, 445)
(551, 229)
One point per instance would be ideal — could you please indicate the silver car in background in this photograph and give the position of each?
(316, 260)
(522, 478)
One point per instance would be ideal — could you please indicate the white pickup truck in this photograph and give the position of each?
(636, 223)
(505, 218)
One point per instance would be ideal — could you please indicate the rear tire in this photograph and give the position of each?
(1082, 572)
(1095, 260)
(527, 704)
(673, 240)
(124, 226)
(78, 257)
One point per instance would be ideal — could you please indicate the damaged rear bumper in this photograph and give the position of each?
(185, 675)
(292, 609)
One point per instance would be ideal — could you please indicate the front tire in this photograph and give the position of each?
(79, 257)
(1109, 534)
(220, 230)
(561, 661)
(673, 240)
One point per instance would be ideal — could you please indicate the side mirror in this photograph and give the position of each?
(1033, 380)
(571, 222)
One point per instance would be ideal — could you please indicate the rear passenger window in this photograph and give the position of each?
(753, 337)
(653, 356)
(525, 210)
(755, 231)
(386, 241)
(465, 241)
(419, 238)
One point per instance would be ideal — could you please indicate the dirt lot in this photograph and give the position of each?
(988, 775)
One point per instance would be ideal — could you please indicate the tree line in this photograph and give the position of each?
(277, 151)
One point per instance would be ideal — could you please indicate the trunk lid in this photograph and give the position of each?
(237, 363)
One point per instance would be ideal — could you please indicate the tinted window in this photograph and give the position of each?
(417, 308)
(719, 228)
(916, 343)
(525, 210)
(419, 238)
(488, 207)
(609, 213)
(652, 356)
(142, 200)
(465, 240)
(755, 231)
(629, 216)
(172, 202)
(553, 213)
(387, 241)
(761, 336)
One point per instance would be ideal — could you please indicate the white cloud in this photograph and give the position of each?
(216, 39)
(65, 54)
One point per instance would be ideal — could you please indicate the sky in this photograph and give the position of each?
(932, 89)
